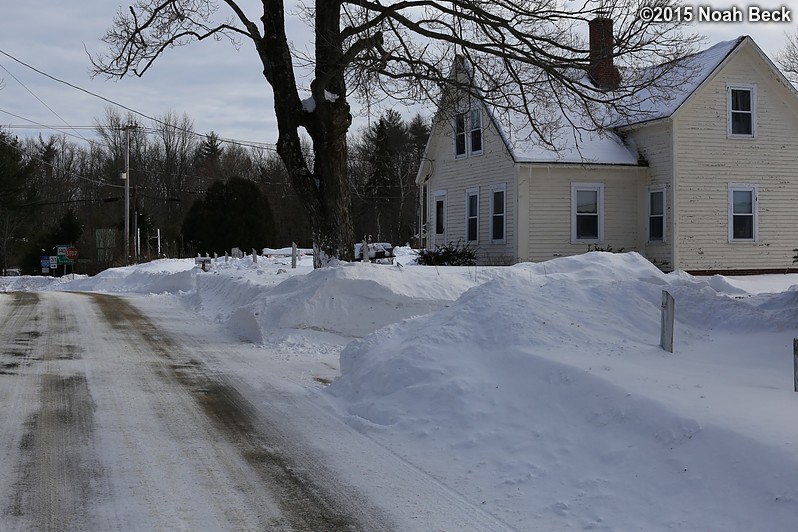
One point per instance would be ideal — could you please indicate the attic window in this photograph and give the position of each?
(741, 111)
(468, 133)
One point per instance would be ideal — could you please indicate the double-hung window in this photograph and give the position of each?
(472, 214)
(497, 213)
(460, 135)
(656, 215)
(587, 212)
(743, 216)
(741, 117)
(468, 133)
(476, 131)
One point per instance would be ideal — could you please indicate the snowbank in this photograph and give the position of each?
(537, 391)
(531, 392)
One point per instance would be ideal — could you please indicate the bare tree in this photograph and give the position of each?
(516, 51)
(788, 58)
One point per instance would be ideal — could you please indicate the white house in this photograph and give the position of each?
(705, 182)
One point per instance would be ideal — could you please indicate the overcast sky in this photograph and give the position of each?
(221, 89)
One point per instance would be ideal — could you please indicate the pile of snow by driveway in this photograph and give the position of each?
(539, 391)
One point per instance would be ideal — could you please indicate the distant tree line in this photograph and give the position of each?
(201, 193)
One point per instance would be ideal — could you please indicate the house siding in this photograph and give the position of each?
(709, 161)
(493, 167)
(655, 145)
(549, 205)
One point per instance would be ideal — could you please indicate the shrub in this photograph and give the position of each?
(451, 254)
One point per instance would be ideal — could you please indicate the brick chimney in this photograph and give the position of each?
(602, 70)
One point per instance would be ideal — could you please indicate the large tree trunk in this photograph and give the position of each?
(324, 191)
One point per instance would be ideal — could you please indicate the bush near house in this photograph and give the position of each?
(451, 254)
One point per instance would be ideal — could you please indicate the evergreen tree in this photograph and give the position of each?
(232, 214)
(15, 195)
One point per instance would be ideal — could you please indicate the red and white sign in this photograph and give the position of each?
(71, 253)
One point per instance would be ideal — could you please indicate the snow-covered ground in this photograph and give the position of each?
(538, 392)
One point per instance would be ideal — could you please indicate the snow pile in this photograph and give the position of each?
(533, 393)
(349, 300)
(538, 391)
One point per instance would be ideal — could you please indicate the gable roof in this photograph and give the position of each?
(577, 143)
(701, 65)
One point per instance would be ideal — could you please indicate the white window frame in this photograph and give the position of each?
(753, 189)
(470, 128)
(740, 87)
(593, 187)
(664, 215)
(470, 193)
(502, 187)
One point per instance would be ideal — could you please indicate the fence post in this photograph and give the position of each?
(293, 254)
(254, 256)
(364, 250)
(668, 311)
(795, 362)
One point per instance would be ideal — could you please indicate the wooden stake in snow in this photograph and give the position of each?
(668, 311)
(795, 362)
(293, 254)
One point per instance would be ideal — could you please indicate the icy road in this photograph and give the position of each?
(113, 419)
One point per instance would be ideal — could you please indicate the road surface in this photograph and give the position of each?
(109, 421)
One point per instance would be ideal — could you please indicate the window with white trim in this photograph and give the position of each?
(460, 135)
(656, 215)
(587, 212)
(476, 131)
(498, 211)
(472, 214)
(741, 111)
(743, 216)
(468, 133)
(440, 216)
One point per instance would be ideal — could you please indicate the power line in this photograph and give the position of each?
(42, 161)
(35, 96)
(248, 144)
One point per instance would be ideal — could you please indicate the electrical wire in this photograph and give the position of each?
(248, 144)
(35, 96)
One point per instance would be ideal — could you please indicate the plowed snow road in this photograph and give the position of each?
(109, 421)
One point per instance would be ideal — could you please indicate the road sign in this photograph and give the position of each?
(45, 261)
(71, 253)
(53, 262)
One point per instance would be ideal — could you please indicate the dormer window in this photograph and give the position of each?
(468, 133)
(741, 111)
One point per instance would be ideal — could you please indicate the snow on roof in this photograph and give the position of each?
(700, 65)
(573, 142)
(576, 141)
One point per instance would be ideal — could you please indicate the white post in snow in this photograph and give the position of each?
(364, 250)
(293, 255)
(795, 362)
(226, 258)
(254, 256)
(159, 242)
(668, 312)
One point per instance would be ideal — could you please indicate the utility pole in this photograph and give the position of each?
(126, 177)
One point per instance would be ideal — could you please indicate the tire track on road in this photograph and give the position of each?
(55, 469)
(305, 504)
